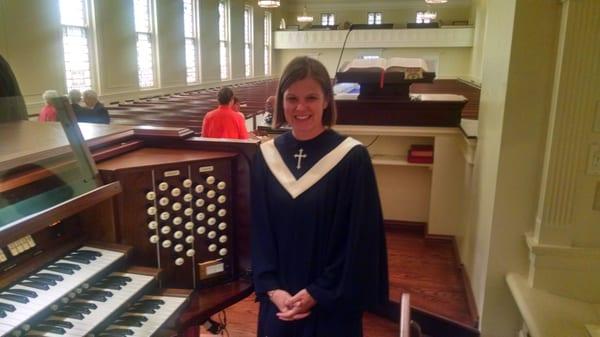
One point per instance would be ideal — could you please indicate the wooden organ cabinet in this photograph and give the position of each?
(153, 242)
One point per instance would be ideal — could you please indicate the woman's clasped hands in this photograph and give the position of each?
(290, 307)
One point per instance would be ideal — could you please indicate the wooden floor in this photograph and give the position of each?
(424, 268)
(428, 270)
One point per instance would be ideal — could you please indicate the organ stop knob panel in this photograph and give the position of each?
(177, 213)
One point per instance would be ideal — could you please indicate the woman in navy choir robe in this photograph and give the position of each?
(318, 244)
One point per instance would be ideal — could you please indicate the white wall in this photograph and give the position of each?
(452, 62)
(518, 64)
(393, 11)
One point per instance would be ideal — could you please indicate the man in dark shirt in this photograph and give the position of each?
(97, 112)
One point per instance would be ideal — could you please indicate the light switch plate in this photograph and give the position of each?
(594, 160)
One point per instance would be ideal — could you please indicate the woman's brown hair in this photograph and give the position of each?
(298, 69)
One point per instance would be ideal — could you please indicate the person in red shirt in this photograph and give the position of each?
(48, 112)
(224, 122)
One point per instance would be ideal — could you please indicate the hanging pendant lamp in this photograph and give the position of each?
(268, 3)
(304, 17)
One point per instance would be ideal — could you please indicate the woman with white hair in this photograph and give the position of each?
(97, 113)
(48, 112)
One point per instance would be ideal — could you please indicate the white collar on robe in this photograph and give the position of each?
(294, 186)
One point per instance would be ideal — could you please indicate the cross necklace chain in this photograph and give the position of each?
(300, 155)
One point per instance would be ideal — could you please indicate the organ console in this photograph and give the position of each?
(109, 230)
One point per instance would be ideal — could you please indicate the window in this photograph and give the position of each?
(425, 17)
(76, 37)
(224, 39)
(190, 24)
(268, 34)
(144, 28)
(374, 18)
(248, 41)
(327, 19)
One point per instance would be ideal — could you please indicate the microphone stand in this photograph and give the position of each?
(342, 53)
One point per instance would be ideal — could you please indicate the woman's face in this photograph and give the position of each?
(303, 104)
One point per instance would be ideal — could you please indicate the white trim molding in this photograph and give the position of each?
(375, 38)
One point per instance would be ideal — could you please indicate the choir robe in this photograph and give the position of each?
(319, 226)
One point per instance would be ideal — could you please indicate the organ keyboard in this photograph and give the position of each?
(68, 239)
(55, 282)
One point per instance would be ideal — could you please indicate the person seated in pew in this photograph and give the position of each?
(236, 104)
(82, 114)
(224, 121)
(48, 112)
(269, 108)
(97, 111)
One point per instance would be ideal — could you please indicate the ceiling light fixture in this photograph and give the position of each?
(304, 17)
(268, 3)
(436, 1)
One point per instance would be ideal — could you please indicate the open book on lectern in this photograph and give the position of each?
(413, 68)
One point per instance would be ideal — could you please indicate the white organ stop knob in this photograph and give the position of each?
(200, 216)
(221, 185)
(199, 202)
(223, 238)
(189, 239)
(211, 194)
(150, 196)
(154, 239)
(176, 206)
(221, 199)
(151, 210)
(178, 235)
(212, 234)
(166, 243)
(211, 221)
(152, 225)
(165, 230)
(177, 220)
(210, 180)
(223, 251)
(222, 212)
(165, 216)
(199, 188)
(201, 230)
(179, 261)
(189, 225)
(176, 192)
(178, 248)
(190, 252)
(163, 186)
(187, 183)
(212, 247)
(188, 211)
(223, 226)
(211, 208)
(187, 197)
(163, 201)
